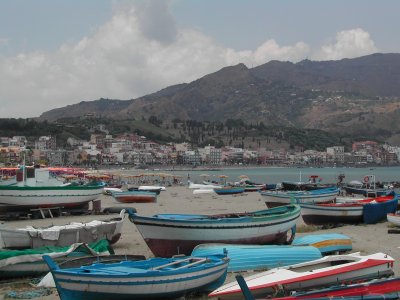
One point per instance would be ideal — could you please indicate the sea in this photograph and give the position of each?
(271, 175)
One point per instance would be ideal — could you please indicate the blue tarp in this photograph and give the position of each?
(375, 212)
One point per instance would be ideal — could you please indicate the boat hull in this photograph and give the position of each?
(361, 290)
(326, 243)
(135, 197)
(365, 192)
(259, 257)
(279, 198)
(300, 277)
(141, 285)
(394, 218)
(24, 198)
(169, 235)
(369, 211)
(313, 214)
(229, 191)
(61, 236)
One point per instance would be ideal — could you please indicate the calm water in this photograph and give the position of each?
(275, 175)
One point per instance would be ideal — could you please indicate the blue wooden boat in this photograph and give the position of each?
(148, 279)
(229, 190)
(327, 243)
(259, 257)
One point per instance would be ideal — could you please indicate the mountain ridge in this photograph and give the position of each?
(358, 95)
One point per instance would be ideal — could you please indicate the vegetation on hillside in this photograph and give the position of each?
(232, 132)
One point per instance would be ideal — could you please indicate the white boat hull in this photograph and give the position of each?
(34, 198)
(394, 219)
(315, 274)
(278, 198)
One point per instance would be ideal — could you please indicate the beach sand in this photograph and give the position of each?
(366, 239)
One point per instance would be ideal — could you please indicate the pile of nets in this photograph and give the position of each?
(29, 294)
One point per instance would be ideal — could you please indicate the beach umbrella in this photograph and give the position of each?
(223, 177)
(243, 176)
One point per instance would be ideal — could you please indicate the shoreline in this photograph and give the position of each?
(366, 239)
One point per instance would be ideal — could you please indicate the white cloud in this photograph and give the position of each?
(128, 57)
(349, 44)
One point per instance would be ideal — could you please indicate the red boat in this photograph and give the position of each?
(375, 287)
(135, 197)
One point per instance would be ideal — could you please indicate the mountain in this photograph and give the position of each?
(348, 96)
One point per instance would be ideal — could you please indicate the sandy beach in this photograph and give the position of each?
(367, 239)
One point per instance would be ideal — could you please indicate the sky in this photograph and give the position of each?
(55, 53)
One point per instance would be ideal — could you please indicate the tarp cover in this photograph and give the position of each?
(8, 257)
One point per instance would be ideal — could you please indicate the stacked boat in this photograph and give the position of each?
(275, 198)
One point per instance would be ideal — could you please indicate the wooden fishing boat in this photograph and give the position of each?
(40, 190)
(170, 234)
(324, 272)
(326, 243)
(275, 198)
(259, 257)
(135, 197)
(229, 190)
(367, 188)
(369, 211)
(153, 278)
(64, 235)
(314, 183)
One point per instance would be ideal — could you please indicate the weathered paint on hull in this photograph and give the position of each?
(168, 248)
(324, 220)
(136, 199)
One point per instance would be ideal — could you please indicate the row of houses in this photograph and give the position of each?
(132, 149)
